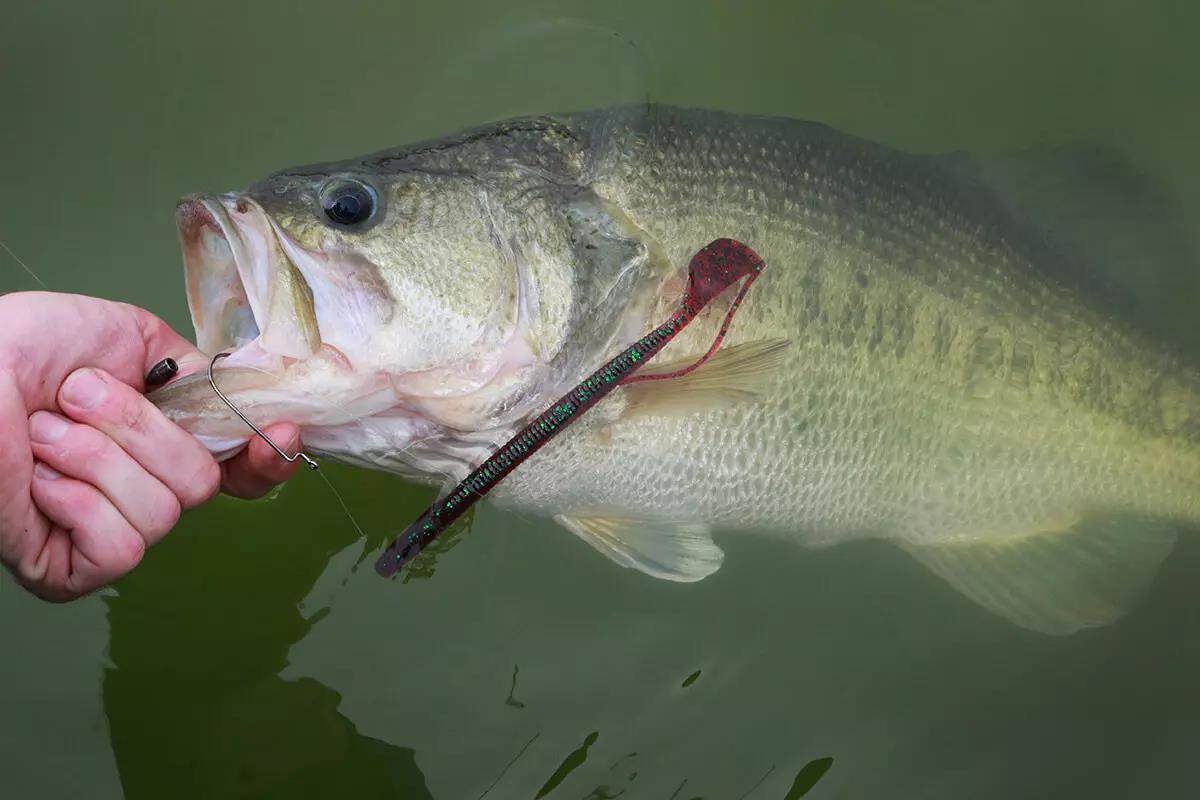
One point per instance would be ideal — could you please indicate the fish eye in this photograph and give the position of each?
(348, 202)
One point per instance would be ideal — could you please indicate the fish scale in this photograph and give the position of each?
(953, 281)
(939, 387)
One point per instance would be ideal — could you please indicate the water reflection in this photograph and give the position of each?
(572, 762)
(807, 777)
(511, 700)
(194, 697)
(262, 739)
(854, 652)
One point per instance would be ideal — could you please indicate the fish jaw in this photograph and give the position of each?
(317, 393)
(241, 287)
(217, 299)
(247, 299)
(299, 350)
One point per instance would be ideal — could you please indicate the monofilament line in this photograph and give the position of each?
(24, 266)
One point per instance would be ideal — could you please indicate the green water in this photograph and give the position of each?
(248, 657)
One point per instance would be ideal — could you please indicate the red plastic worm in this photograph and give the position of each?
(715, 268)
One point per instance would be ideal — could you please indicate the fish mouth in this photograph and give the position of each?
(243, 293)
(217, 298)
(248, 299)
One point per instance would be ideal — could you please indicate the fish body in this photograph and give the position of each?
(905, 368)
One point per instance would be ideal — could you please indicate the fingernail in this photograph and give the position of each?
(85, 389)
(46, 473)
(47, 428)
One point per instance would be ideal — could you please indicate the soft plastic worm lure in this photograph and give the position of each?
(717, 266)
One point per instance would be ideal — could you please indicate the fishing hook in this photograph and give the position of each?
(213, 381)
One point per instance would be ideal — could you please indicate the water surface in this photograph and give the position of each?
(249, 657)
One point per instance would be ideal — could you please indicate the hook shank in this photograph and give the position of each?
(213, 381)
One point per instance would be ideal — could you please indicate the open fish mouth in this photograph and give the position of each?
(242, 290)
(216, 291)
(247, 298)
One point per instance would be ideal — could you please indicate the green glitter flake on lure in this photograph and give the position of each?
(715, 268)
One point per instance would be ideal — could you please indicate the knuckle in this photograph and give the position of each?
(75, 586)
(81, 446)
(84, 445)
(133, 550)
(54, 592)
(166, 516)
(59, 590)
(126, 550)
(203, 485)
(28, 572)
(79, 503)
(133, 416)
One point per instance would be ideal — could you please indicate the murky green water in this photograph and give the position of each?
(248, 657)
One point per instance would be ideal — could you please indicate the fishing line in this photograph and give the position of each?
(508, 766)
(750, 791)
(320, 474)
(301, 455)
(24, 266)
(715, 268)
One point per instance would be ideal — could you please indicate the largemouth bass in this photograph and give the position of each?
(907, 368)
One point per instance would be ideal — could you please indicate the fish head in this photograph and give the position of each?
(439, 286)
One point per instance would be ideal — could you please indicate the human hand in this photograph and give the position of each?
(91, 473)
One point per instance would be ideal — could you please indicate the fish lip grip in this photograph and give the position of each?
(715, 268)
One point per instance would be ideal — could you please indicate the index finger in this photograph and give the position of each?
(161, 341)
(166, 451)
(46, 337)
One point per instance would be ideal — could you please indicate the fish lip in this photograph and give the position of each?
(226, 308)
(234, 264)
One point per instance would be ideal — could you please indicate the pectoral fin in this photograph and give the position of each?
(682, 552)
(1057, 581)
(734, 374)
